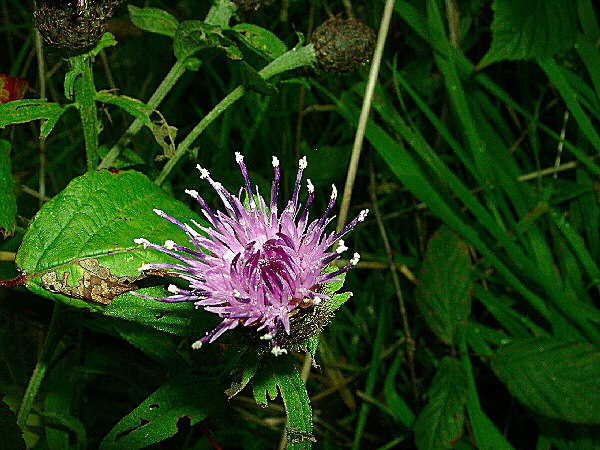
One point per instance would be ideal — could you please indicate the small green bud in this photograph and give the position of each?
(343, 45)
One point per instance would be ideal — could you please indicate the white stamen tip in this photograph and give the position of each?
(160, 212)
(145, 267)
(196, 345)
(278, 351)
(333, 192)
(218, 186)
(140, 241)
(236, 293)
(192, 193)
(275, 161)
(169, 244)
(363, 214)
(341, 248)
(173, 289)
(204, 173)
(310, 186)
(238, 157)
(355, 259)
(302, 164)
(316, 301)
(266, 337)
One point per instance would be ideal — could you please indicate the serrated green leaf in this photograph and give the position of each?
(188, 395)
(154, 20)
(280, 372)
(8, 201)
(248, 373)
(133, 106)
(50, 123)
(445, 285)
(21, 111)
(260, 40)
(334, 286)
(94, 222)
(553, 377)
(337, 300)
(531, 29)
(440, 423)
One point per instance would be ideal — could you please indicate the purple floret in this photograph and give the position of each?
(254, 266)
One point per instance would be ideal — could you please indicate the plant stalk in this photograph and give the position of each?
(161, 92)
(41, 367)
(300, 57)
(85, 93)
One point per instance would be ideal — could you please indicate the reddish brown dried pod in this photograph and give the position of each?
(73, 24)
(343, 45)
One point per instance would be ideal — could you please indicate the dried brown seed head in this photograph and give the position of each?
(343, 45)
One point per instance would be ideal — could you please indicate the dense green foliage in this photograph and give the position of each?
(475, 319)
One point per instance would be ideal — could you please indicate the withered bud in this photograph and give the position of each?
(251, 5)
(342, 46)
(73, 24)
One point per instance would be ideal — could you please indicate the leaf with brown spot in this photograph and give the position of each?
(96, 283)
(82, 241)
(446, 284)
(440, 423)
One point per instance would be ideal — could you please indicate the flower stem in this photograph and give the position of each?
(161, 92)
(85, 93)
(40, 369)
(303, 56)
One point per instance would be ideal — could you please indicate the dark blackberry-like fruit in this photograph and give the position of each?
(73, 24)
(342, 45)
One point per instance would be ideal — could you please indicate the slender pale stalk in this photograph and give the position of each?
(364, 114)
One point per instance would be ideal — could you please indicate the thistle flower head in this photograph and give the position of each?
(255, 265)
(73, 24)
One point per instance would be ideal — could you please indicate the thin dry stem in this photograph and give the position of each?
(410, 343)
(364, 114)
(349, 9)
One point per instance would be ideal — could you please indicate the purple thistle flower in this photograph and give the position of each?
(255, 266)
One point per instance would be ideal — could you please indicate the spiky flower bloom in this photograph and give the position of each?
(255, 266)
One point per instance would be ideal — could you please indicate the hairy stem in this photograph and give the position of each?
(85, 93)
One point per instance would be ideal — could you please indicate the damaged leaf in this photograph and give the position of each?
(87, 232)
(281, 373)
(165, 135)
(188, 395)
(96, 283)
